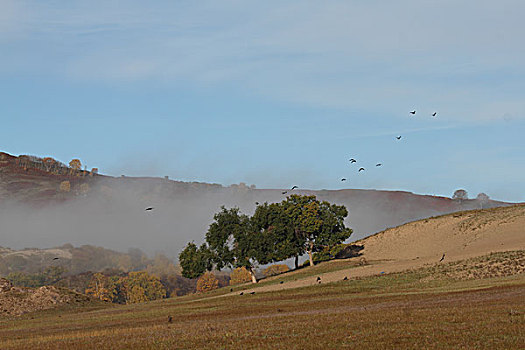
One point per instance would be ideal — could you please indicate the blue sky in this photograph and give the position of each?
(275, 93)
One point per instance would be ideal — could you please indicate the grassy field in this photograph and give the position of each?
(412, 310)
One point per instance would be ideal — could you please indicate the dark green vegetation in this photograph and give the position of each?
(424, 308)
(275, 232)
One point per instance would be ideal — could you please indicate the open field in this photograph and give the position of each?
(422, 308)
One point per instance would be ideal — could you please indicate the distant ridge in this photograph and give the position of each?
(28, 180)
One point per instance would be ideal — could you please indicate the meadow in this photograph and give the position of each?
(422, 308)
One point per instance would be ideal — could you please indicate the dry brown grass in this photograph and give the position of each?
(395, 311)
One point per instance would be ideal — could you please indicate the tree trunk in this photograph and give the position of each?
(252, 273)
(310, 255)
(296, 262)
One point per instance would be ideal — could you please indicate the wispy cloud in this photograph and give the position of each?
(337, 54)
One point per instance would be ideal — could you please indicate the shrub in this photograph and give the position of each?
(207, 282)
(240, 275)
(65, 186)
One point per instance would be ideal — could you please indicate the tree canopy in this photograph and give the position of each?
(277, 231)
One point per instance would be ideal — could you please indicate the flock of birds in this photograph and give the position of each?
(399, 137)
(353, 160)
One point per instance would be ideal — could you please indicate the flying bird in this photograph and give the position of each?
(252, 293)
(353, 160)
(149, 209)
(56, 258)
(434, 114)
(293, 188)
(398, 137)
(284, 192)
(343, 179)
(379, 164)
(361, 169)
(412, 112)
(442, 258)
(241, 293)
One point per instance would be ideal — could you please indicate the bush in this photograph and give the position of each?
(240, 275)
(207, 282)
(275, 270)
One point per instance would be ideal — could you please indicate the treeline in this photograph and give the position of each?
(276, 232)
(53, 166)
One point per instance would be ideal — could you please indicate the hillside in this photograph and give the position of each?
(105, 209)
(460, 236)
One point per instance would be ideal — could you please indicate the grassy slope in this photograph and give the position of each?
(424, 308)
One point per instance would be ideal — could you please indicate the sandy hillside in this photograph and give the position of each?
(459, 236)
(422, 243)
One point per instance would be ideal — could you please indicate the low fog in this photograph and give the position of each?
(112, 214)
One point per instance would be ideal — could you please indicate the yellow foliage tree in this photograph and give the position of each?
(101, 287)
(75, 164)
(276, 269)
(240, 275)
(141, 286)
(207, 282)
(65, 186)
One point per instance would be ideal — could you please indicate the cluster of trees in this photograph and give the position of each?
(275, 232)
(135, 287)
(54, 166)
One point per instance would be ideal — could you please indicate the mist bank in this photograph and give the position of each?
(111, 213)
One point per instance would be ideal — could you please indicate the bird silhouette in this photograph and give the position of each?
(318, 278)
(345, 279)
(241, 293)
(281, 282)
(398, 137)
(284, 192)
(170, 319)
(56, 258)
(149, 209)
(256, 203)
(442, 258)
(379, 164)
(412, 112)
(293, 188)
(361, 169)
(434, 114)
(353, 160)
(343, 179)
(252, 293)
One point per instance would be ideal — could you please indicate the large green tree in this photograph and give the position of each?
(195, 260)
(313, 225)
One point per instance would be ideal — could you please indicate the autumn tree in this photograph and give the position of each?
(48, 163)
(240, 275)
(65, 186)
(75, 165)
(207, 282)
(101, 287)
(142, 286)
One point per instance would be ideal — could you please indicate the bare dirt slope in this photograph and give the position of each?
(422, 243)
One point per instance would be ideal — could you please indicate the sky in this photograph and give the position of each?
(273, 93)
